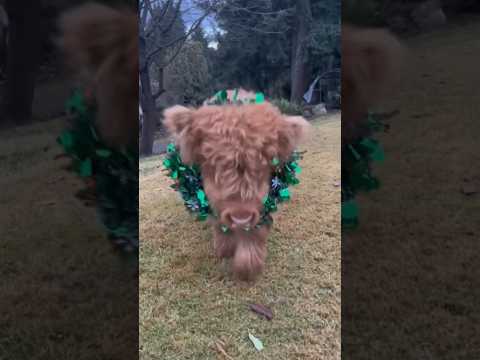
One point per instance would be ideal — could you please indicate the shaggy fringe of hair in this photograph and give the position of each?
(247, 251)
(235, 144)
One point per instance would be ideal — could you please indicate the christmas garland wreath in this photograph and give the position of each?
(188, 179)
(357, 159)
(112, 173)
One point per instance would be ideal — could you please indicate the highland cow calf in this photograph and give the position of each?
(234, 146)
(101, 46)
(372, 61)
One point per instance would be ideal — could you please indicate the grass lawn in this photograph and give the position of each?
(190, 310)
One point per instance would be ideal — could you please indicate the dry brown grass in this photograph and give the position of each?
(60, 279)
(187, 305)
(417, 248)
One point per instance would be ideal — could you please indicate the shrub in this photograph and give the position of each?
(287, 107)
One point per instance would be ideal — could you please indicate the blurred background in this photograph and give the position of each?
(191, 49)
(33, 85)
(406, 17)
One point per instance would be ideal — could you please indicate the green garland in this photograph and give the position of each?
(357, 174)
(188, 182)
(221, 98)
(114, 172)
(188, 179)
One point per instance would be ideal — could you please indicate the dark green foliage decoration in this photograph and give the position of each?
(357, 175)
(221, 98)
(114, 173)
(282, 177)
(188, 182)
(188, 179)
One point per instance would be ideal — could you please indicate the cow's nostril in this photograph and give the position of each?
(243, 220)
(240, 218)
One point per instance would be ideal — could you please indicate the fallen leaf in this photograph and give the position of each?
(60, 156)
(54, 180)
(256, 342)
(85, 194)
(48, 203)
(469, 189)
(221, 350)
(67, 167)
(262, 310)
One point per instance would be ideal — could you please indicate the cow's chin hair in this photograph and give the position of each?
(247, 250)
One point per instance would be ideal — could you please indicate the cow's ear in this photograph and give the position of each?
(177, 119)
(293, 131)
(179, 122)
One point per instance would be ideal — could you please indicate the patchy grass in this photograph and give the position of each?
(187, 306)
(423, 231)
(61, 281)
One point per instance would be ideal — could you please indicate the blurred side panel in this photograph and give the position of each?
(410, 273)
(69, 286)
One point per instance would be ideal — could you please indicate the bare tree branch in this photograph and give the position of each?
(231, 7)
(143, 16)
(252, 19)
(193, 27)
(174, 17)
(157, 18)
(177, 51)
(158, 94)
(148, 6)
(165, 9)
(259, 30)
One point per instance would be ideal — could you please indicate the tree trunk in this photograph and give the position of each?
(3, 40)
(149, 114)
(25, 35)
(147, 101)
(303, 20)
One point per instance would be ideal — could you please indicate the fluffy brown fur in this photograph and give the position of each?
(101, 45)
(234, 147)
(372, 61)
